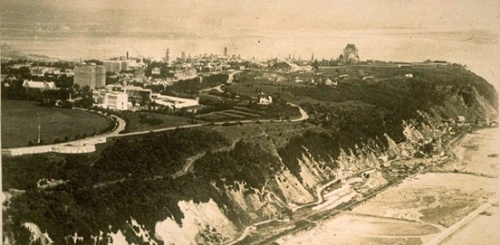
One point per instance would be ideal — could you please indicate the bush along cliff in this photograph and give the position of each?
(205, 186)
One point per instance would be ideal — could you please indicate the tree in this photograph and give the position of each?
(316, 67)
(76, 87)
(86, 89)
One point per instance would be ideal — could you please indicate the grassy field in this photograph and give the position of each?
(20, 120)
(252, 82)
(143, 121)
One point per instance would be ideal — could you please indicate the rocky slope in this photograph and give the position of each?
(128, 194)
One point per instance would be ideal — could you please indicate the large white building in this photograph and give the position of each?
(174, 102)
(110, 100)
(116, 101)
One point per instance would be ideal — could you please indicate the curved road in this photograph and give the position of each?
(319, 200)
(121, 126)
(77, 145)
(219, 87)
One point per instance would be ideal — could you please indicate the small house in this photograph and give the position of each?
(156, 71)
(28, 84)
(264, 99)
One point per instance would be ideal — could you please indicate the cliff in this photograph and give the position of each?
(242, 175)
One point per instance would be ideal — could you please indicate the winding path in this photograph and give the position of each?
(86, 145)
(319, 200)
(230, 79)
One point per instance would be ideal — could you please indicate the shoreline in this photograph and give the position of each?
(331, 214)
(446, 234)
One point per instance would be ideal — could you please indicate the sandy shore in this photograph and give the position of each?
(428, 206)
(484, 229)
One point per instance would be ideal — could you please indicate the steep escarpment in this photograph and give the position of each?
(151, 189)
(385, 118)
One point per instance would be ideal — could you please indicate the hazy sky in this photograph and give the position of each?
(228, 18)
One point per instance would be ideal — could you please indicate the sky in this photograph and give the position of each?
(238, 18)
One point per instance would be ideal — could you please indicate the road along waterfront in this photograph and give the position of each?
(425, 208)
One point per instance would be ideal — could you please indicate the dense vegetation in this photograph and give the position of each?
(359, 112)
(192, 86)
(14, 89)
(246, 162)
(131, 178)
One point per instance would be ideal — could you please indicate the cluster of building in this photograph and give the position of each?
(163, 71)
(209, 62)
(42, 71)
(118, 97)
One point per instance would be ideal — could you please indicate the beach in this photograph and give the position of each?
(431, 208)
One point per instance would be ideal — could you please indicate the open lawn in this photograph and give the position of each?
(385, 84)
(143, 121)
(20, 120)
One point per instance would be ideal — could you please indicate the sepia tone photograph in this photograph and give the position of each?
(286, 122)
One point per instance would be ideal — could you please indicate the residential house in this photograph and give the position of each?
(156, 71)
(263, 99)
(29, 84)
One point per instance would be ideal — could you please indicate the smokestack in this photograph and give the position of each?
(127, 55)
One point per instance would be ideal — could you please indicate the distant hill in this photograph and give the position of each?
(8, 52)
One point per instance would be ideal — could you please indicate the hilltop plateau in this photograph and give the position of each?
(373, 127)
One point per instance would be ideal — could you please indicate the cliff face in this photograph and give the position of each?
(257, 178)
(296, 184)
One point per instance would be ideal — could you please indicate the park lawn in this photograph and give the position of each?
(20, 120)
(135, 124)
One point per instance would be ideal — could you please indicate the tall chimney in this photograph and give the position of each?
(127, 55)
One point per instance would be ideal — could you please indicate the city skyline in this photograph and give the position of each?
(465, 33)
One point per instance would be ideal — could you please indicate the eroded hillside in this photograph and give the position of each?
(207, 185)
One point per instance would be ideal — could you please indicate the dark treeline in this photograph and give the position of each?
(359, 112)
(245, 163)
(192, 86)
(129, 179)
